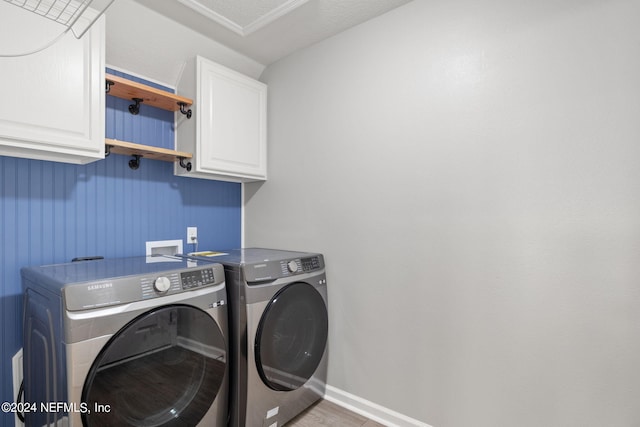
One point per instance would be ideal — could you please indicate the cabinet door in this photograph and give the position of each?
(232, 123)
(53, 100)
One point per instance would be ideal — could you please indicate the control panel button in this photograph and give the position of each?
(310, 264)
(162, 284)
(198, 278)
(292, 266)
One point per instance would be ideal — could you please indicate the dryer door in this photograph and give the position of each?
(291, 337)
(164, 368)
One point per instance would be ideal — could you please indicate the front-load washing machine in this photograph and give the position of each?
(279, 329)
(126, 342)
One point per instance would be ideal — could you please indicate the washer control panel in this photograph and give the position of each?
(159, 280)
(153, 286)
(158, 285)
(197, 278)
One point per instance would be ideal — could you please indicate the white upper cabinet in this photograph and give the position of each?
(227, 133)
(53, 101)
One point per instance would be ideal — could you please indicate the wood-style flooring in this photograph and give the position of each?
(325, 413)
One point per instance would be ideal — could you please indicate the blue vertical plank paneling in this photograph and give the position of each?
(59, 231)
(52, 212)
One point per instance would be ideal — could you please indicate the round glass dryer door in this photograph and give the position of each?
(165, 368)
(291, 337)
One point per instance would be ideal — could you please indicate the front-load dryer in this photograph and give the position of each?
(126, 342)
(279, 330)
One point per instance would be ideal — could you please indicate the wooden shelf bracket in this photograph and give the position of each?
(135, 108)
(184, 111)
(187, 165)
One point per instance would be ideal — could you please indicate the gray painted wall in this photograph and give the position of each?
(471, 170)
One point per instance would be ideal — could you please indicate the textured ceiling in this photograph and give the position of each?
(267, 30)
(243, 16)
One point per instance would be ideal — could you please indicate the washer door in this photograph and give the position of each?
(164, 368)
(291, 337)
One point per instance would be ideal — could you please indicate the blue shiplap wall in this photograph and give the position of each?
(52, 212)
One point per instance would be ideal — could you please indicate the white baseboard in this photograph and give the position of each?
(369, 409)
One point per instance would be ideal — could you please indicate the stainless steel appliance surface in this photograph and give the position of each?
(135, 341)
(279, 330)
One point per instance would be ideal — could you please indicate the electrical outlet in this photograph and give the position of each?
(16, 362)
(192, 235)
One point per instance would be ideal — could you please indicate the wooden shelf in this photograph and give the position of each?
(127, 89)
(145, 151)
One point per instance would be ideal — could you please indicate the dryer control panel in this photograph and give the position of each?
(272, 270)
(310, 264)
(300, 265)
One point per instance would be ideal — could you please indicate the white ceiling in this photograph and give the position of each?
(243, 16)
(267, 30)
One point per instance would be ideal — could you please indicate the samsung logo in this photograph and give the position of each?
(99, 286)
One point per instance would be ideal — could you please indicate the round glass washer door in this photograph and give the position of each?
(291, 337)
(164, 368)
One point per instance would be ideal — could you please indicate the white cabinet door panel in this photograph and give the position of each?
(53, 100)
(234, 141)
(230, 123)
